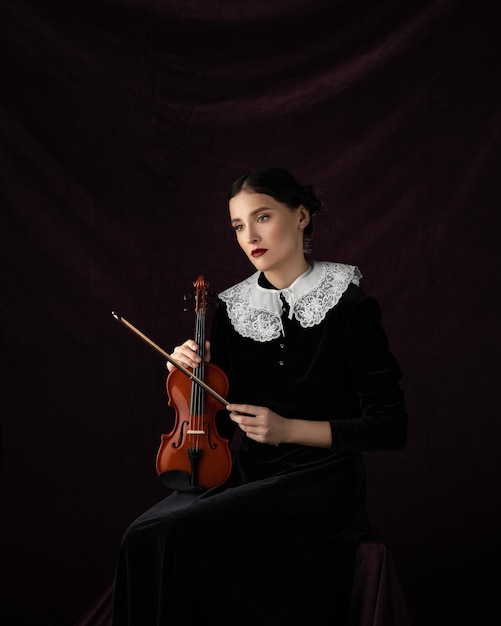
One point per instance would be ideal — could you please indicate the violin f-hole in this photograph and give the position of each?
(179, 442)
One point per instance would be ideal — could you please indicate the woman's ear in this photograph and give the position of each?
(304, 217)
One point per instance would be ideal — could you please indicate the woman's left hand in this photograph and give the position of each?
(259, 423)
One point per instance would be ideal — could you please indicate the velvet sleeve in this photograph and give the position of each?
(384, 420)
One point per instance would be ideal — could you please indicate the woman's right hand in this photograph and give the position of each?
(186, 355)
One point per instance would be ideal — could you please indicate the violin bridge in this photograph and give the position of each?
(195, 432)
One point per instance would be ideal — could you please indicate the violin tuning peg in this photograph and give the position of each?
(188, 296)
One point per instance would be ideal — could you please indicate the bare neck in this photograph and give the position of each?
(281, 279)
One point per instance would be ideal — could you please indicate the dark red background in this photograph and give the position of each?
(122, 126)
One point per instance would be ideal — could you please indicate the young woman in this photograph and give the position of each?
(312, 385)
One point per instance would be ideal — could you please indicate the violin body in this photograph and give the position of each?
(194, 446)
(193, 456)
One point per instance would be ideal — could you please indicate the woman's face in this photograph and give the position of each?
(269, 232)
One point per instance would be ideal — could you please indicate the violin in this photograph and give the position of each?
(194, 450)
(193, 456)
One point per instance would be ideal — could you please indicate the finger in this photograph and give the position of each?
(190, 344)
(186, 355)
(244, 409)
(246, 422)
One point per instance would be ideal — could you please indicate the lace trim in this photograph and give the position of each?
(256, 312)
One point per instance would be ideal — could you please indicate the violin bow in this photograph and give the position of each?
(168, 357)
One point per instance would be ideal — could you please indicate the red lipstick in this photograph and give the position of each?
(258, 252)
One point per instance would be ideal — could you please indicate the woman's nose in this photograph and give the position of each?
(252, 236)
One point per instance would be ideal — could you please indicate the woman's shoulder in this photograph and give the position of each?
(355, 295)
(332, 274)
(346, 277)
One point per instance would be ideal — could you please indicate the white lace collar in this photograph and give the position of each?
(256, 312)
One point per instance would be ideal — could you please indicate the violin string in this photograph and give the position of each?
(200, 340)
(194, 394)
(198, 408)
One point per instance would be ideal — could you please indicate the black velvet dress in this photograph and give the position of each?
(275, 545)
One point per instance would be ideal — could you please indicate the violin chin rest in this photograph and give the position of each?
(179, 481)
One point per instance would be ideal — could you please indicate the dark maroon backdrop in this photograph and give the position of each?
(122, 125)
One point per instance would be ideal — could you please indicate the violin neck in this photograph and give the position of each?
(197, 404)
(200, 333)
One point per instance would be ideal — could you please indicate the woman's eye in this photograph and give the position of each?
(262, 218)
(238, 227)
